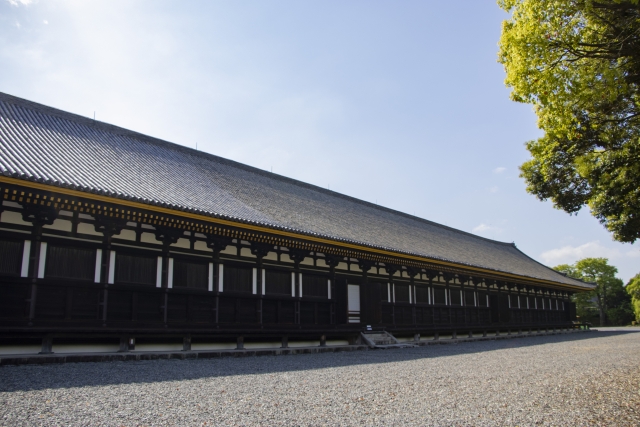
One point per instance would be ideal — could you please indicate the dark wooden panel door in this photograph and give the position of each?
(371, 309)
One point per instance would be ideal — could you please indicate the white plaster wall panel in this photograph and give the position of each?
(322, 263)
(307, 261)
(201, 246)
(127, 235)
(230, 250)
(355, 267)
(182, 243)
(271, 256)
(158, 347)
(20, 349)
(285, 258)
(246, 252)
(296, 344)
(60, 224)
(256, 345)
(13, 218)
(149, 238)
(11, 204)
(213, 346)
(383, 271)
(87, 348)
(342, 266)
(84, 228)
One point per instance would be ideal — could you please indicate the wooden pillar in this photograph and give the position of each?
(109, 227)
(332, 261)
(298, 255)
(186, 343)
(217, 244)
(431, 274)
(47, 345)
(413, 272)
(391, 270)
(38, 216)
(260, 250)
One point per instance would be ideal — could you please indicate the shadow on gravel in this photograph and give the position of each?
(40, 377)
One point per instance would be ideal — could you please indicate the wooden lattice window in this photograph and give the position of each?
(188, 274)
(238, 279)
(136, 269)
(469, 298)
(66, 262)
(277, 282)
(455, 296)
(10, 257)
(315, 286)
(402, 293)
(439, 296)
(422, 294)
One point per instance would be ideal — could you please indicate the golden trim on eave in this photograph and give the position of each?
(168, 211)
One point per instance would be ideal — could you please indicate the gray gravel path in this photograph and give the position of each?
(569, 380)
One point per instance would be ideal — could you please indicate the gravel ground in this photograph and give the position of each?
(569, 380)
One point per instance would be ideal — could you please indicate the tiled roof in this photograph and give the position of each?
(42, 144)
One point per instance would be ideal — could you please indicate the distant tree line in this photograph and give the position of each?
(610, 303)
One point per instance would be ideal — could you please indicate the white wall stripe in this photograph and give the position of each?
(26, 251)
(293, 284)
(210, 278)
(329, 288)
(43, 259)
(264, 283)
(388, 292)
(220, 277)
(112, 267)
(170, 274)
(98, 270)
(300, 283)
(254, 281)
(159, 272)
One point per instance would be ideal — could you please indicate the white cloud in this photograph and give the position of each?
(570, 254)
(20, 2)
(499, 169)
(486, 228)
(18, 25)
(45, 22)
(493, 189)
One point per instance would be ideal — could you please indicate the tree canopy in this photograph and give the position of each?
(578, 63)
(633, 289)
(608, 302)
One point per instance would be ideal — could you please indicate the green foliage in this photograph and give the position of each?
(608, 303)
(578, 63)
(633, 289)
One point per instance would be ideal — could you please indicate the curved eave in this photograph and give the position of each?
(272, 229)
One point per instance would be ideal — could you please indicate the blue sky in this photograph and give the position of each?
(397, 103)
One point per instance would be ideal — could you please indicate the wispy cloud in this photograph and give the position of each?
(493, 189)
(18, 25)
(45, 22)
(570, 254)
(499, 169)
(486, 228)
(20, 2)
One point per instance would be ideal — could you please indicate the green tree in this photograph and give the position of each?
(609, 298)
(633, 289)
(578, 63)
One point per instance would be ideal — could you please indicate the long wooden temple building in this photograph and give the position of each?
(107, 235)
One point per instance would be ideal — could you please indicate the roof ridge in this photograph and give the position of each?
(191, 151)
